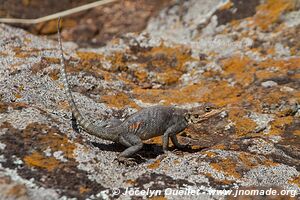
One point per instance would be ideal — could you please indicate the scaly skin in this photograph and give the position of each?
(147, 123)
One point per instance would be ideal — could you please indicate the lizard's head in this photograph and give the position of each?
(202, 113)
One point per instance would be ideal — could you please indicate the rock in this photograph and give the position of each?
(268, 84)
(11, 190)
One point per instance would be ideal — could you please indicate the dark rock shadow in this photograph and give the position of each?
(149, 151)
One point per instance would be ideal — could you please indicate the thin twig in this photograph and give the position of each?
(55, 15)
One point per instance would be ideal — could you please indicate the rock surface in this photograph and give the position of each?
(192, 52)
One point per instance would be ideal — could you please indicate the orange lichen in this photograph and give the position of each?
(296, 132)
(226, 6)
(54, 74)
(176, 162)
(19, 53)
(210, 154)
(219, 146)
(190, 93)
(168, 63)
(59, 143)
(263, 74)
(169, 77)
(157, 198)
(270, 163)
(63, 105)
(52, 60)
(269, 12)
(240, 68)
(119, 100)
(295, 180)
(38, 160)
(154, 165)
(3, 54)
(226, 166)
(247, 160)
(278, 125)
(181, 54)
(84, 189)
(141, 75)
(18, 95)
(89, 56)
(16, 192)
(130, 181)
(243, 124)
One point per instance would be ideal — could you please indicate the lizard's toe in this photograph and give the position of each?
(126, 161)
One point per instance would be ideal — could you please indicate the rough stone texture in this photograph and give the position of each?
(248, 63)
(92, 27)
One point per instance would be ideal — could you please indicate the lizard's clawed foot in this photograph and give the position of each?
(126, 161)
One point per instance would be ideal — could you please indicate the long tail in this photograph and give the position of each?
(104, 133)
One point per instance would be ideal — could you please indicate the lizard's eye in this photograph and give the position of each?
(207, 109)
(196, 115)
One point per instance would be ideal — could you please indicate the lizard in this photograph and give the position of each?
(149, 122)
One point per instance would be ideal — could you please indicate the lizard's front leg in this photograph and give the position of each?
(171, 132)
(176, 143)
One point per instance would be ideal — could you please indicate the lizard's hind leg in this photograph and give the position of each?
(133, 142)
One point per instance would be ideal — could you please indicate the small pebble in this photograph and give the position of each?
(268, 84)
(286, 89)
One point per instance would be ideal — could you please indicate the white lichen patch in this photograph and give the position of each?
(262, 121)
(19, 119)
(261, 147)
(34, 192)
(59, 156)
(278, 175)
(2, 146)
